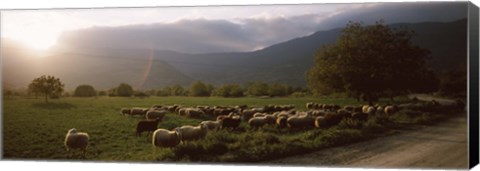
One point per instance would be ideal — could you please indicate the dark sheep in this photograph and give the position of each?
(230, 121)
(147, 126)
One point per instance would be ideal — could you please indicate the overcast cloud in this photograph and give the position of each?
(198, 31)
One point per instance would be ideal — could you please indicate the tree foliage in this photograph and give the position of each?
(84, 91)
(177, 90)
(257, 88)
(198, 88)
(229, 90)
(46, 85)
(368, 62)
(124, 90)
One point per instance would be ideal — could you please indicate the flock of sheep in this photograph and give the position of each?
(230, 117)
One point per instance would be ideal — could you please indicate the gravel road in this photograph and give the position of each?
(443, 145)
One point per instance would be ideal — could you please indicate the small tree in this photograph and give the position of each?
(177, 90)
(198, 88)
(124, 90)
(257, 88)
(229, 90)
(84, 91)
(46, 85)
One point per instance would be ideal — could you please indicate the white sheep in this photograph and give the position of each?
(76, 140)
(190, 133)
(154, 114)
(166, 138)
(371, 110)
(257, 122)
(212, 125)
(389, 110)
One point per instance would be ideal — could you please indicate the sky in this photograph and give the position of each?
(186, 29)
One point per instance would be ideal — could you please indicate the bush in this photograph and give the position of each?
(84, 91)
(124, 90)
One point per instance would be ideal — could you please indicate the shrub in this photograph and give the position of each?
(84, 91)
(124, 90)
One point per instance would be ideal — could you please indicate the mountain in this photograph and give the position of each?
(101, 70)
(287, 62)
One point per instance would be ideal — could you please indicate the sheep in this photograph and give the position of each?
(154, 114)
(191, 133)
(166, 138)
(321, 122)
(309, 105)
(247, 114)
(360, 116)
(365, 108)
(370, 110)
(182, 111)
(230, 121)
(380, 109)
(212, 125)
(259, 115)
(349, 108)
(389, 110)
(138, 111)
(194, 113)
(257, 122)
(344, 113)
(147, 126)
(125, 111)
(298, 121)
(282, 121)
(76, 140)
(333, 118)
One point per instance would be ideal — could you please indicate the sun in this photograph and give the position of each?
(41, 44)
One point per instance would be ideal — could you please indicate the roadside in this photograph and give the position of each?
(443, 145)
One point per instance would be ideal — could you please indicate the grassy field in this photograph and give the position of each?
(36, 130)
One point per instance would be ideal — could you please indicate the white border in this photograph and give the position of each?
(73, 166)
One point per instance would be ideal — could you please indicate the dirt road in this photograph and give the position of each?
(443, 145)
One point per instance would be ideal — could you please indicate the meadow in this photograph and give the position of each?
(33, 129)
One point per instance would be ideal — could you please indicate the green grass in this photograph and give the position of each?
(36, 130)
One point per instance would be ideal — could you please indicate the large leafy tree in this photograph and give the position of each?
(368, 62)
(46, 85)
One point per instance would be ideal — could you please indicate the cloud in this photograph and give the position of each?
(247, 34)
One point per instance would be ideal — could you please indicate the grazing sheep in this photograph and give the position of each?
(154, 114)
(125, 111)
(349, 108)
(389, 110)
(138, 111)
(282, 121)
(344, 113)
(212, 125)
(380, 109)
(147, 126)
(309, 105)
(300, 121)
(247, 114)
(191, 133)
(370, 110)
(360, 116)
(259, 115)
(76, 140)
(332, 118)
(321, 122)
(194, 113)
(365, 108)
(166, 138)
(230, 121)
(271, 119)
(257, 122)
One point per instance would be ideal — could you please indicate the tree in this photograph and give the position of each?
(177, 90)
(229, 90)
(277, 89)
(198, 88)
(124, 90)
(46, 85)
(257, 88)
(367, 62)
(84, 91)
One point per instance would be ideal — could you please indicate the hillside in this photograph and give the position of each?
(105, 67)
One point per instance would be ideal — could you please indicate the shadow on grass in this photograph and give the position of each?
(54, 105)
